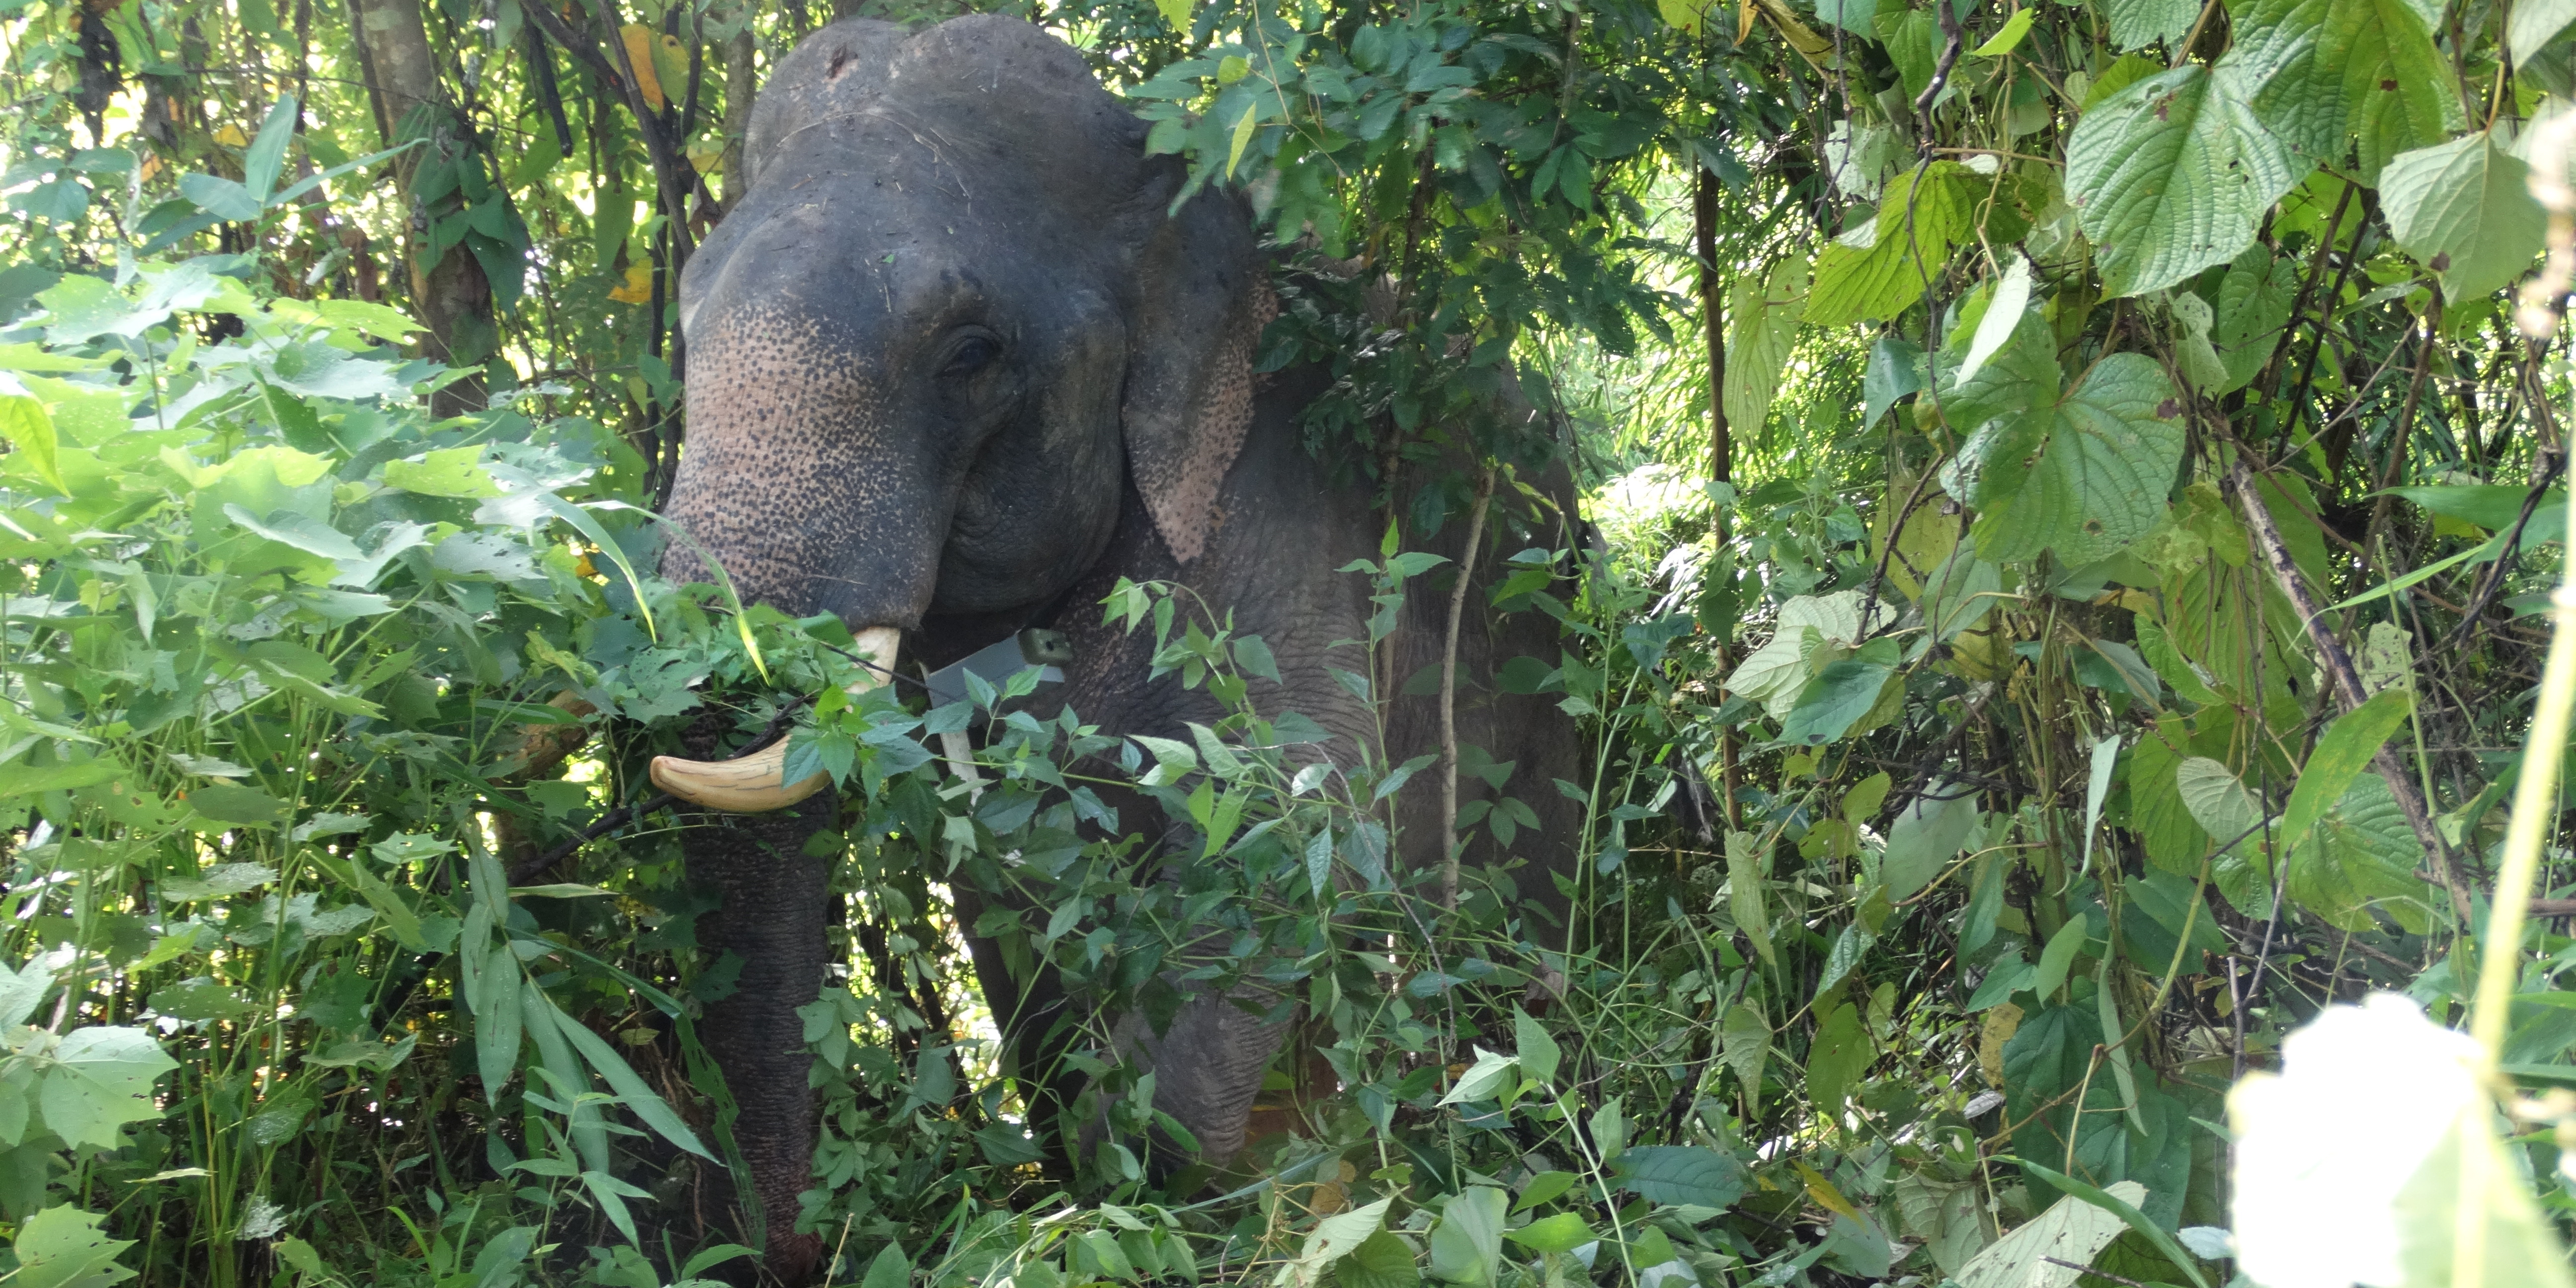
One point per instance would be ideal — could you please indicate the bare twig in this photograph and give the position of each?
(1449, 694)
(2339, 669)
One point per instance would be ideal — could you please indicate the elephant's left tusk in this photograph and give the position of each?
(756, 784)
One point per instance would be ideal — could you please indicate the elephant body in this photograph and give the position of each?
(955, 365)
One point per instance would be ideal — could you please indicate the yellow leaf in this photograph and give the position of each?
(1242, 137)
(1824, 1193)
(639, 55)
(1175, 12)
(671, 65)
(638, 288)
(707, 156)
(232, 137)
(1744, 23)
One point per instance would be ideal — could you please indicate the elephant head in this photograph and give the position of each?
(953, 322)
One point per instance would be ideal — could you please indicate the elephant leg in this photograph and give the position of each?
(770, 914)
(1207, 1070)
(1028, 1009)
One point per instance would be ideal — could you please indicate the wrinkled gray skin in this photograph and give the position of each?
(951, 364)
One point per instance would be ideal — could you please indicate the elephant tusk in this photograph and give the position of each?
(755, 784)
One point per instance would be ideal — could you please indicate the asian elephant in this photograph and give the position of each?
(955, 366)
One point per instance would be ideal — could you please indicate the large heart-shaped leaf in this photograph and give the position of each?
(2082, 470)
(2464, 208)
(2173, 174)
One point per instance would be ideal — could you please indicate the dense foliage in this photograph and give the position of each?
(2073, 483)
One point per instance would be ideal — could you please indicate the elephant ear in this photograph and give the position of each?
(1203, 296)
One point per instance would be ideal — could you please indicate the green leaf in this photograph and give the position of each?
(2126, 1210)
(2057, 958)
(63, 1247)
(1336, 1237)
(1683, 1174)
(2002, 317)
(2286, 56)
(1175, 12)
(2136, 24)
(2082, 470)
(451, 471)
(2534, 24)
(198, 999)
(1537, 1051)
(30, 432)
(1744, 1040)
(1383, 1260)
(498, 1022)
(1835, 700)
(220, 197)
(1746, 858)
(1490, 1076)
(2173, 174)
(103, 1081)
(238, 805)
(1243, 126)
(2254, 302)
(2216, 799)
(890, 1269)
(1928, 832)
(1841, 1053)
(1762, 322)
(1563, 1232)
(27, 780)
(1879, 268)
(2071, 1231)
(268, 152)
(2399, 91)
(2463, 209)
(1468, 1242)
(2004, 41)
(2343, 751)
(641, 1100)
(2360, 864)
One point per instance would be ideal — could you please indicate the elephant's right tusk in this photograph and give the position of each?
(755, 784)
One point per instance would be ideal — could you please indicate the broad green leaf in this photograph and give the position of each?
(498, 1023)
(1762, 321)
(2254, 302)
(451, 471)
(1383, 1260)
(2217, 800)
(268, 152)
(27, 780)
(21, 990)
(2399, 91)
(1175, 12)
(2003, 315)
(1835, 700)
(1842, 1052)
(1879, 268)
(103, 1081)
(1928, 833)
(222, 881)
(63, 1247)
(1744, 1040)
(2057, 958)
(1563, 1232)
(2534, 24)
(1468, 1242)
(2004, 41)
(2172, 175)
(2463, 209)
(30, 431)
(198, 999)
(889, 1269)
(2071, 1230)
(1335, 1237)
(2343, 751)
(2284, 55)
(1536, 1050)
(2136, 24)
(2360, 864)
(1746, 858)
(1491, 1075)
(1683, 1174)
(2106, 758)
(2082, 470)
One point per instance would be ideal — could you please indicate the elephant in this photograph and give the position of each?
(956, 366)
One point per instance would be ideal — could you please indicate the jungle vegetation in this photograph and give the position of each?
(2077, 491)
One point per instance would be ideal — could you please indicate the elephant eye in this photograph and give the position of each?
(971, 355)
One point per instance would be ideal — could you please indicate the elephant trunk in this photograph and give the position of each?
(757, 783)
(771, 904)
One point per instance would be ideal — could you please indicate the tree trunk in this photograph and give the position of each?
(740, 91)
(448, 291)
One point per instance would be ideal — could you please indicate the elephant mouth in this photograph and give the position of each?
(756, 783)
